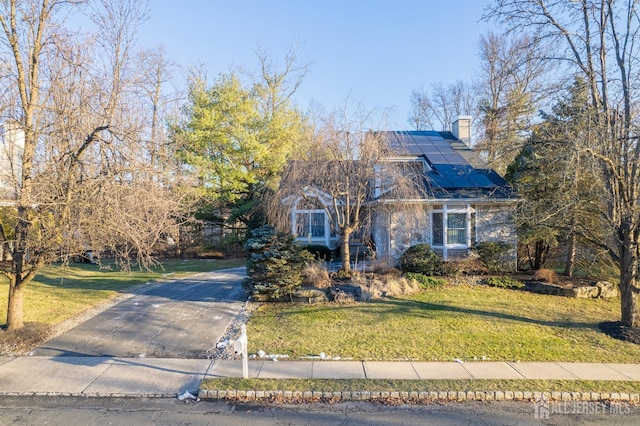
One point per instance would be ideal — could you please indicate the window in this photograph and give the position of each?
(310, 224)
(317, 224)
(452, 225)
(457, 228)
(437, 229)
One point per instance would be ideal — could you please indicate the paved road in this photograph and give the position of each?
(180, 319)
(64, 411)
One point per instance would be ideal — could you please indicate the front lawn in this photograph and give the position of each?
(453, 322)
(445, 385)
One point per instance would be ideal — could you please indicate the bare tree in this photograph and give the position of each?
(351, 169)
(420, 118)
(439, 108)
(511, 72)
(154, 73)
(84, 182)
(599, 40)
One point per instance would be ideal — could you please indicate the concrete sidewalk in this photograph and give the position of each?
(161, 377)
(427, 370)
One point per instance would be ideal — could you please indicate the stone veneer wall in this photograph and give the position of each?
(496, 223)
(396, 231)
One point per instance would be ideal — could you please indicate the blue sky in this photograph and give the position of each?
(374, 52)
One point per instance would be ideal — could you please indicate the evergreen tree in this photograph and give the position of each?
(237, 139)
(553, 174)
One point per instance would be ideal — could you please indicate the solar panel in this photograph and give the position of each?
(450, 170)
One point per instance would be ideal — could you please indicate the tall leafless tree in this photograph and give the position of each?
(437, 109)
(350, 168)
(83, 180)
(600, 41)
(508, 89)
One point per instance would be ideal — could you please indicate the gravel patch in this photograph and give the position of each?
(224, 346)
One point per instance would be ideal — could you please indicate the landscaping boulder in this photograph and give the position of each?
(586, 292)
(309, 295)
(339, 291)
(607, 289)
(543, 288)
(600, 289)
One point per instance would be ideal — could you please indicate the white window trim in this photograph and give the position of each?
(325, 240)
(468, 210)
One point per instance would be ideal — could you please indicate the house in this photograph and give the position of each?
(461, 202)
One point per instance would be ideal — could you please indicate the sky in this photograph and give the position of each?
(371, 53)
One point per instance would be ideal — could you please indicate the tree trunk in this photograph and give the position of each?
(628, 300)
(346, 253)
(15, 305)
(541, 250)
(571, 256)
(629, 281)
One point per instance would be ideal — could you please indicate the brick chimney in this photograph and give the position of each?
(461, 129)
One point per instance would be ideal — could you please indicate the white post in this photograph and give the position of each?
(240, 345)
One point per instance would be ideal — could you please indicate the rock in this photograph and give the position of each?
(602, 289)
(607, 289)
(544, 288)
(186, 395)
(586, 292)
(309, 295)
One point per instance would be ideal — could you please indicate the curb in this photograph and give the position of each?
(416, 396)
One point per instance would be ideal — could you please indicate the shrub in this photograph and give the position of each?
(316, 275)
(546, 275)
(319, 251)
(274, 264)
(421, 259)
(464, 267)
(493, 254)
(425, 281)
(343, 275)
(385, 285)
(503, 282)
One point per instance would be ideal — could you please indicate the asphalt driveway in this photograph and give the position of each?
(180, 319)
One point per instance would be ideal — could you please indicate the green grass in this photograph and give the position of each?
(59, 292)
(383, 385)
(468, 323)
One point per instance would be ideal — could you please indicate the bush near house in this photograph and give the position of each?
(319, 251)
(275, 263)
(464, 267)
(422, 260)
(493, 254)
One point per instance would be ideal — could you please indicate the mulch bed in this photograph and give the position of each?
(23, 340)
(618, 331)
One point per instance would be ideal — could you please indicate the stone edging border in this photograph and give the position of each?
(417, 396)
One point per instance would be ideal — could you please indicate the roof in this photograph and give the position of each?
(456, 171)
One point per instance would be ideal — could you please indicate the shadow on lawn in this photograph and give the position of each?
(420, 309)
(401, 305)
